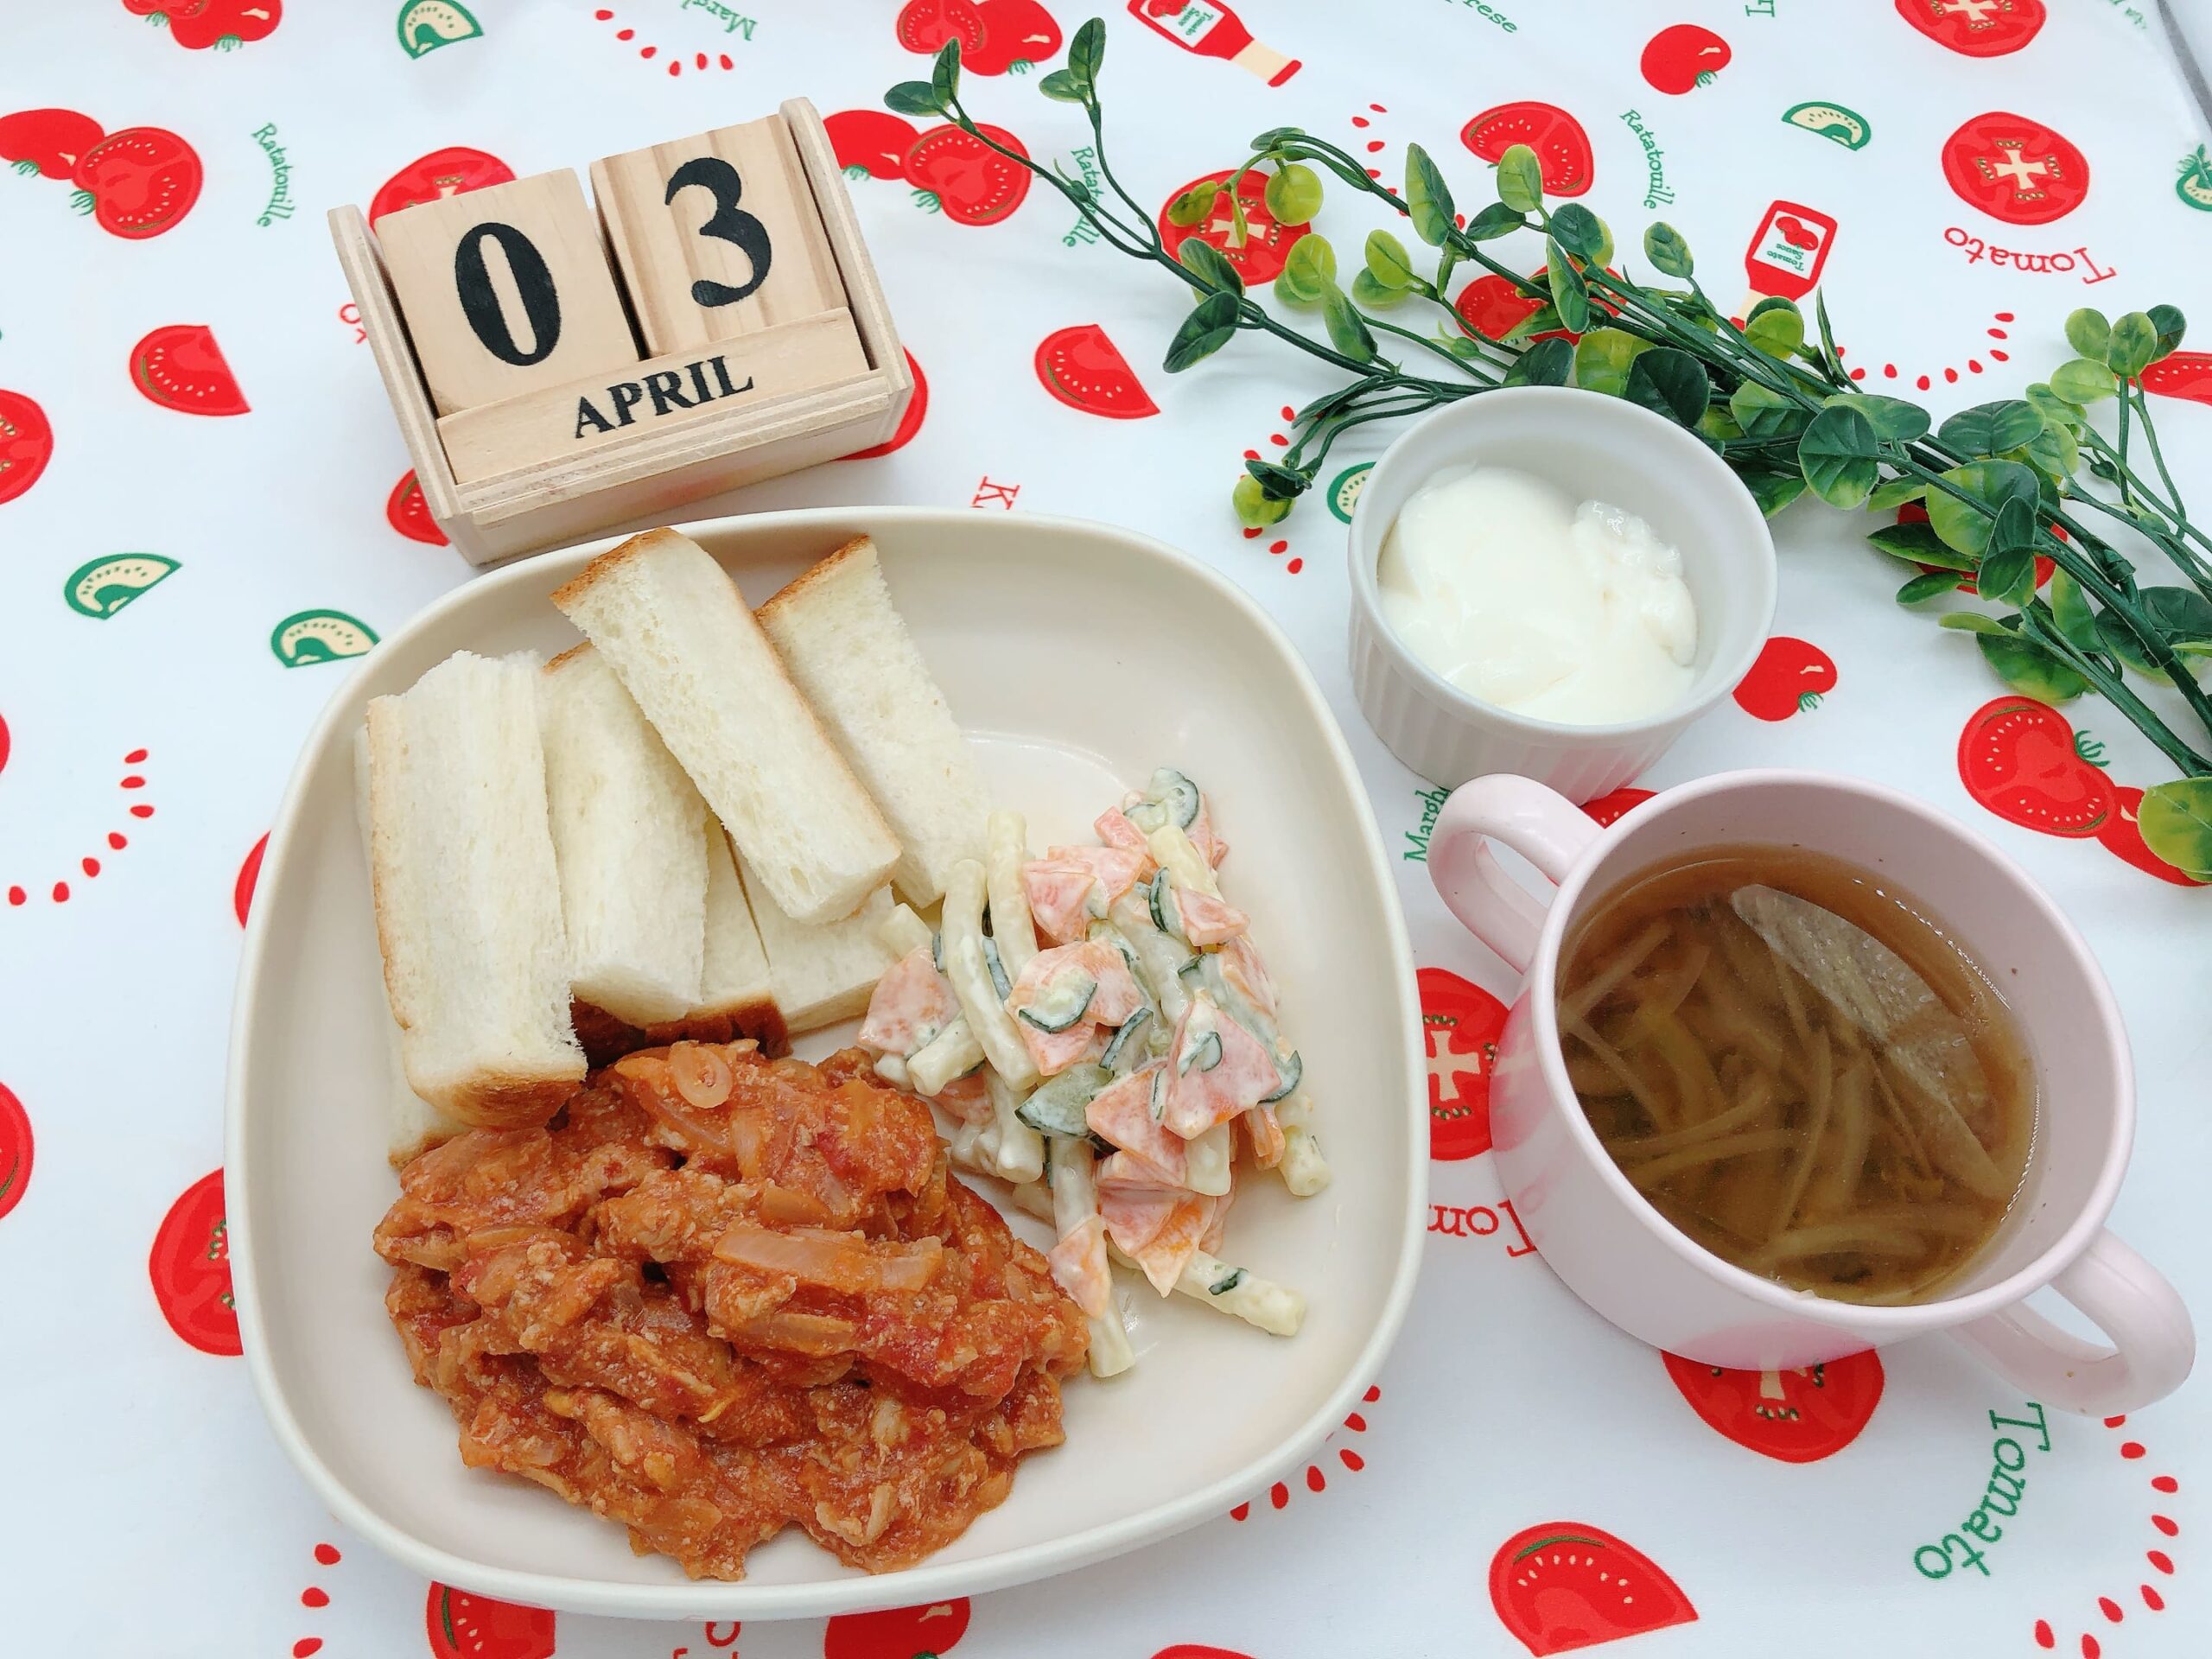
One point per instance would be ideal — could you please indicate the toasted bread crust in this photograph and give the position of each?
(491, 1101)
(612, 560)
(791, 591)
(607, 1038)
(569, 655)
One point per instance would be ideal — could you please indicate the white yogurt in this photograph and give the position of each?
(1504, 585)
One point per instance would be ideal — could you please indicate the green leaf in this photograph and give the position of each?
(1604, 257)
(1837, 455)
(1275, 136)
(1917, 544)
(2182, 616)
(1544, 363)
(1670, 255)
(1087, 51)
(2171, 324)
(1310, 270)
(1387, 260)
(2081, 381)
(1774, 491)
(1495, 221)
(1062, 85)
(1206, 331)
(2029, 669)
(1544, 320)
(1428, 198)
(1990, 483)
(1575, 228)
(2134, 342)
(1254, 509)
(1973, 622)
(913, 98)
(1893, 493)
(2006, 574)
(1990, 428)
(1294, 194)
(2054, 409)
(1195, 205)
(2052, 452)
(2070, 613)
(1763, 413)
(1602, 360)
(1570, 295)
(1671, 383)
(2176, 822)
(1374, 295)
(2087, 332)
(1894, 420)
(1775, 328)
(1927, 585)
(944, 74)
(1276, 483)
(1520, 179)
(1209, 265)
(1347, 329)
(1718, 422)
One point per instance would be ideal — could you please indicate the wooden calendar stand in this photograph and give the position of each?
(559, 374)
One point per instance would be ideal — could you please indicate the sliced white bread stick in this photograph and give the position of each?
(627, 835)
(677, 630)
(467, 894)
(412, 1125)
(825, 972)
(846, 645)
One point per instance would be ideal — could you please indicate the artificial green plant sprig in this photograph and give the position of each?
(2004, 484)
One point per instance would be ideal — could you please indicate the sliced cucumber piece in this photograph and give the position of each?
(1292, 1072)
(1177, 795)
(1148, 815)
(1159, 898)
(1056, 1105)
(1203, 1054)
(1065, 1001)
(1121, 1055)
(936, 951)
(1157, 1103)
(1000, 983)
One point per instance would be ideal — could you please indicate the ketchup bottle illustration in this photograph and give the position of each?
(1787, 254)
(1213, 31)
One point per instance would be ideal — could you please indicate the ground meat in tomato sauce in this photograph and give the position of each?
(719, 1295)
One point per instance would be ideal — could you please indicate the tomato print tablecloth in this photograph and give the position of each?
(204, 510)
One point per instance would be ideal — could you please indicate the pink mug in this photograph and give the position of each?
(1621, 1256)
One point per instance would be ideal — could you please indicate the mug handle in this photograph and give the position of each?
(1540, 824)
(2153, 1344)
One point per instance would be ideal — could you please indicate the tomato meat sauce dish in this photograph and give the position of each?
(719, 1295)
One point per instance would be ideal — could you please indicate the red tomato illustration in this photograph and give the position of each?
(926, 25)
(180, 367)
(1798, 1416)
(1195, 1650)
(190, 1269)
(1493, 308)
(26, 443)
(1014, 32)
(1460, 1026)
(1675, 60)
(1610, 809)
(2182, 374)
(441, 172)
(873, 142)
(909, 423)
(196, 24)
(1788, 676)
(971, 182)
(2121, 836)
(1562, 148)
(464, 1625)
(1563, 1586)
(1266, 244)
(140, 180)
(14, 1150)
(897, 1632)
(1975, 29)
(249, 874)
(2017, 757)
(1086, 371)
(410, 514)
(47, 141)
(2015, 169)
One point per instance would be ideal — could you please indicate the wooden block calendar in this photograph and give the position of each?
(559, 371)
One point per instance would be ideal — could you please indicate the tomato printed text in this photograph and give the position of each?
(2008, 1457)
(1480, 1221)
(2060, 263)
(1655, 191)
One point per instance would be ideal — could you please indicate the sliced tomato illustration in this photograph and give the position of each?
(873, 142)
(972, 182)
(1014, 32)
(47, 141)
(897, 1632)
(2180, 374)
(1796, 1416)
(1259, 258)
(1975, 29)
(1563, 1586)
(1789, 675)
(2015, 169)
(198, 24)
(190, 1269)
(441, 172)
(1610, 809)
(1460, 1025)
(1675, 60)
(926, 25)
(1493, 307)
(1197, 1650)
(14, 1149)
(2018, 758)
(407, 511)
(918, 407)
(464, 1625)
(1086, 371)
(1561, 146)
(26, 443)
(2121, 836)
(248, 875)
(141, 180)
(180, 367)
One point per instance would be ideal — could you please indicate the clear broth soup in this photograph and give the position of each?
(1799, 1069)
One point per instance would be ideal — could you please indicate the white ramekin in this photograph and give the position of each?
(1598, 447)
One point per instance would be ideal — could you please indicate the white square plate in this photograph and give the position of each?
(1078, 657)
